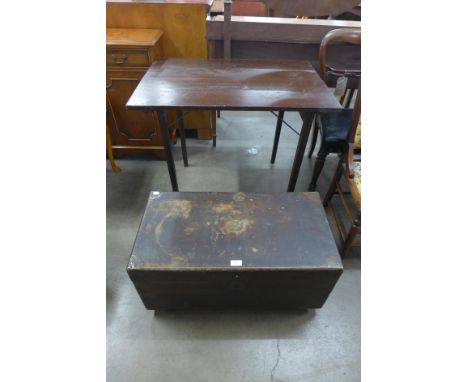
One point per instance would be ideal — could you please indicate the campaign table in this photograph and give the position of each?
(221, 249)
(248, 85)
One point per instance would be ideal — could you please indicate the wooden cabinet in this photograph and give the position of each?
(129, 53)
(183, 23)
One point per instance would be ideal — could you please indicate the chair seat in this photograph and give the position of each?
(357, 138)
(335, 125)
(356, 168)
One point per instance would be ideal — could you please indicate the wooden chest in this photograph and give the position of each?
(234, 250)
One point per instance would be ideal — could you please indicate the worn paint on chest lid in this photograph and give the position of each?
(209, 230)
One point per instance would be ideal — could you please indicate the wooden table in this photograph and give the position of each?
(249, 85)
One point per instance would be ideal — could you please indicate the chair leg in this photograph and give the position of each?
(180, 123)
(318, 166)
(279, 124)
(350, 97)
(213, 127)
(110, 154)
(335, 179)
(313, 142)
(353, 231)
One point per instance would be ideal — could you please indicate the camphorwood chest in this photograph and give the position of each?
(234, 250)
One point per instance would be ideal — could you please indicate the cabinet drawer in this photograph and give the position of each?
(127, 57)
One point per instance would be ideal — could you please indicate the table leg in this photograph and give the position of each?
(180, 123)
(213, 127)
(301, 145)
(279, 124)
(168, 148)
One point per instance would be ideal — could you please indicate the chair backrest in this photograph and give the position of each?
(329, 74)
(356, 116)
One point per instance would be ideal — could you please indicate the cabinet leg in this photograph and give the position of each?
(110, 154)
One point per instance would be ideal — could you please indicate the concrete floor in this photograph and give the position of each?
(317, 345)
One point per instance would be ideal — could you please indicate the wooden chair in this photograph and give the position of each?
(334, 127)
(350, 171)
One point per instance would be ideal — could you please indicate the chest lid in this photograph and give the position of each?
(234, 231)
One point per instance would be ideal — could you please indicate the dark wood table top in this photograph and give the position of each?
(217, 231)
(233, 85)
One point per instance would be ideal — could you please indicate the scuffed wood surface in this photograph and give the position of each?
(283, 251)
(208, 230)
(232, 85)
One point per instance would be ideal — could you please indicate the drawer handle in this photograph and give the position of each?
(119, 60)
